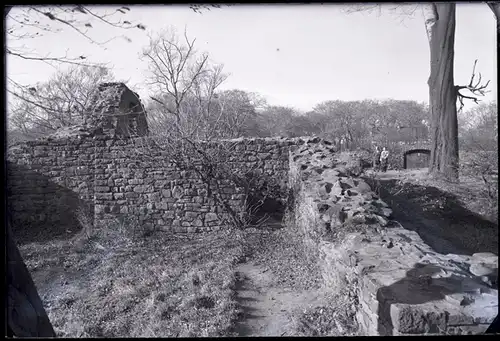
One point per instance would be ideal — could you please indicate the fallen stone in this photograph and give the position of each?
(362, 187)
(483, 269)
(485, 257)
(379, 203)
(386, 212)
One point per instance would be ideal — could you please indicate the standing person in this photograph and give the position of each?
(376, 159)
(384, 159)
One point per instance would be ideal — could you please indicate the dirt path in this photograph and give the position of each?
(268, 308)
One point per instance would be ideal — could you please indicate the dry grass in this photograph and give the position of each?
(160, 286)
(282, 252)
(336, 317)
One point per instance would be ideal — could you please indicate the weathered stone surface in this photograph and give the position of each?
(483, 269)
(105, 171)
(403, 286)
(485, 257)
(209, 217)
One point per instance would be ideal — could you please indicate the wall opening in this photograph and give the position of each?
(416, 158)
(268, 211)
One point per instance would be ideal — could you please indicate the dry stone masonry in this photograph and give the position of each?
(49, 181)
(109, 176)
(159, 196)
(398, 285)
(119, 111)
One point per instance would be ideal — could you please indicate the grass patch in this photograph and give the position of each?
(283, 254)
(160, 286)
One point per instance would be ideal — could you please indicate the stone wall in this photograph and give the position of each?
(50, 184)
(397, 284)
(122, 185)
(151, 191)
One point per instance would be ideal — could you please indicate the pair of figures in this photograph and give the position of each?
(380, 159)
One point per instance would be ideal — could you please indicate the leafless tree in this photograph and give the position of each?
(443, 93)
(26, 316)
(188, 82)
(45, 107)
(26, 23)
(440, 26)
(67, 99)
(193, 121)
(475, 87)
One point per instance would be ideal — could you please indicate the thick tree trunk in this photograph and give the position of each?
(495, 7)
(440, 25)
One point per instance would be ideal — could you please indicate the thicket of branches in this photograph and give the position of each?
(66, 99)
(191, 120)
(478, 138)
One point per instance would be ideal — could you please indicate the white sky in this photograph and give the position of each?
(324, 53)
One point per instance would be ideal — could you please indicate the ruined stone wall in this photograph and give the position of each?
(49, 184)
(139, 191)
(151, 192)
(397, 285)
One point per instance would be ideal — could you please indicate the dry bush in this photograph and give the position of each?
(482, 168)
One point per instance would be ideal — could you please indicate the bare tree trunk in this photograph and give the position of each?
(440, 25)
(495, 7)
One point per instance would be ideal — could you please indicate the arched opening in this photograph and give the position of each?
(419, 158)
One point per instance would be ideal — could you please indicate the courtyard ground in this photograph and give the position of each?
(252, 283)
(256, 283)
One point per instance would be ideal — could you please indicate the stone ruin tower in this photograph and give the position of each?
(119, 111)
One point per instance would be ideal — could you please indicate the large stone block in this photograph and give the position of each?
(408, 319)
(211, 217)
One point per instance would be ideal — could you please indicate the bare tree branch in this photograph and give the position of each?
(474, 87)
(77, 18)
(67, 99)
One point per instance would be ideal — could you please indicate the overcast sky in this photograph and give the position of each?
(294, 55)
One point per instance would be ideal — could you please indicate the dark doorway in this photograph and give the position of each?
(269, 211)
(416, 158)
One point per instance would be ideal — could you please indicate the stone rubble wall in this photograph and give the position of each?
(122, 186)
(48, 180)
(398, 285)
(156, 195)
